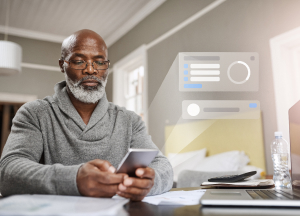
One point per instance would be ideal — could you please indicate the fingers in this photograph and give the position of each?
(91, 172)
(103, 165)
(97, 179)
(132, 197)
(101, 190)
(133, 190)
(145, 173)
(89, 181)
(107, 190)
(136, 189)
(109, 178)
(137, 182)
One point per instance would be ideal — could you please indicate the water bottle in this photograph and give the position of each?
(280, 157)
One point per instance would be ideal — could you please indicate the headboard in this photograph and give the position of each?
(218, 136)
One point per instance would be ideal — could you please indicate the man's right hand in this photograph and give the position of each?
(96, 178)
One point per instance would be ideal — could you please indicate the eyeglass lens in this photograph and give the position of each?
(97, 65)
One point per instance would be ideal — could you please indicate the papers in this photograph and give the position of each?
(246, 183)
(60, 205)
(176, 198)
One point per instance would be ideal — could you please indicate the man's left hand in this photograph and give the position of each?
(136, 189)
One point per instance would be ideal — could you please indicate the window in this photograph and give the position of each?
(134, 90)
(130, 82)
(285, 53)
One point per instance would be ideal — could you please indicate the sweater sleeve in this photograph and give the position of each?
(20, 171)
(163, 170)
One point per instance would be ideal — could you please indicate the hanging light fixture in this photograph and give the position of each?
(10, 52)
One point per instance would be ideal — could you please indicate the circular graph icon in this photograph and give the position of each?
(193, 109)
(248, 74)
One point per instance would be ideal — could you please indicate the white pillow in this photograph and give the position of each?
(244, 160)
(178, 158)
(223, 162)
(185, 161)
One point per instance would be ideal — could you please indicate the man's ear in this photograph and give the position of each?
(61, 65)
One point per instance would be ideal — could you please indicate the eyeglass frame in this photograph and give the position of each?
(87, 64)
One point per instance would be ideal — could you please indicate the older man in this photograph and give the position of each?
(79, 135)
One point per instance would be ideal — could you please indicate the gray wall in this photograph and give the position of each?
(167, 16)
(234, 26)
(33, 81)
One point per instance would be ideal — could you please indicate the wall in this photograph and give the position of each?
(167, 16)
(33, 81)
(234, 26)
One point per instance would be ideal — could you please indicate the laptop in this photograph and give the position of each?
(265, 197)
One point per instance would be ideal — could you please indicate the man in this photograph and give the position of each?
(79, 135)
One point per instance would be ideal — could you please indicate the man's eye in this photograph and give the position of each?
(99, 62)
(78, 62)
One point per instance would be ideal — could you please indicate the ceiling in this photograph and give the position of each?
(54, 20)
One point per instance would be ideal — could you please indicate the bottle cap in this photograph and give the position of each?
(278, 134)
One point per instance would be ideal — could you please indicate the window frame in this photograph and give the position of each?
(133, 60)
(285, 53)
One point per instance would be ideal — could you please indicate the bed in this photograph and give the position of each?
(216, 136)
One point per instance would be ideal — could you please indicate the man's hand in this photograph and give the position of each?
(96, 178)
(136, 189)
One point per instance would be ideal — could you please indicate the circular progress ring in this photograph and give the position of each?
(248, 70)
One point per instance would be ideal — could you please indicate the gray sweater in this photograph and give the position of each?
(52, 128)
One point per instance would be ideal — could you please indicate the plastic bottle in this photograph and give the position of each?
(280, 157)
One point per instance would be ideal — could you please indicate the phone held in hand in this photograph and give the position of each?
(134, 159)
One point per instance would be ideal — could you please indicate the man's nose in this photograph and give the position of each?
(90, 69)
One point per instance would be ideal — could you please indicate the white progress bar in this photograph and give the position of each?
(205, 72)
(205, 79)
(205, 66)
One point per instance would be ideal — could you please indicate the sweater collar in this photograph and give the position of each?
(64, 103)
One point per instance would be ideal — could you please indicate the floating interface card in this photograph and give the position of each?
(218, 71)
(220, 109)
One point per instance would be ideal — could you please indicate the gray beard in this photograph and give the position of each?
(86, 94)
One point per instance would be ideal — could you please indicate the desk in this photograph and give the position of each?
(145, 209)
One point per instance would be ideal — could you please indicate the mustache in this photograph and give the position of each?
(90, 77)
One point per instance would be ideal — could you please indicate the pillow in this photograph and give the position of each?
(178, 158)
(244, 160)
(185, 161)
(223, 162)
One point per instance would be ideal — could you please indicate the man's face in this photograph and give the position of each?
(87, 85)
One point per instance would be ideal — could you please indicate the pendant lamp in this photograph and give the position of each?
(10, 53)
(10, 58)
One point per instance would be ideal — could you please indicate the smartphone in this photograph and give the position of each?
(134, 159)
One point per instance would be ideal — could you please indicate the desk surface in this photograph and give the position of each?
(145, 209)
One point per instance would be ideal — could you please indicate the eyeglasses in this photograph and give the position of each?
(81, 64)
